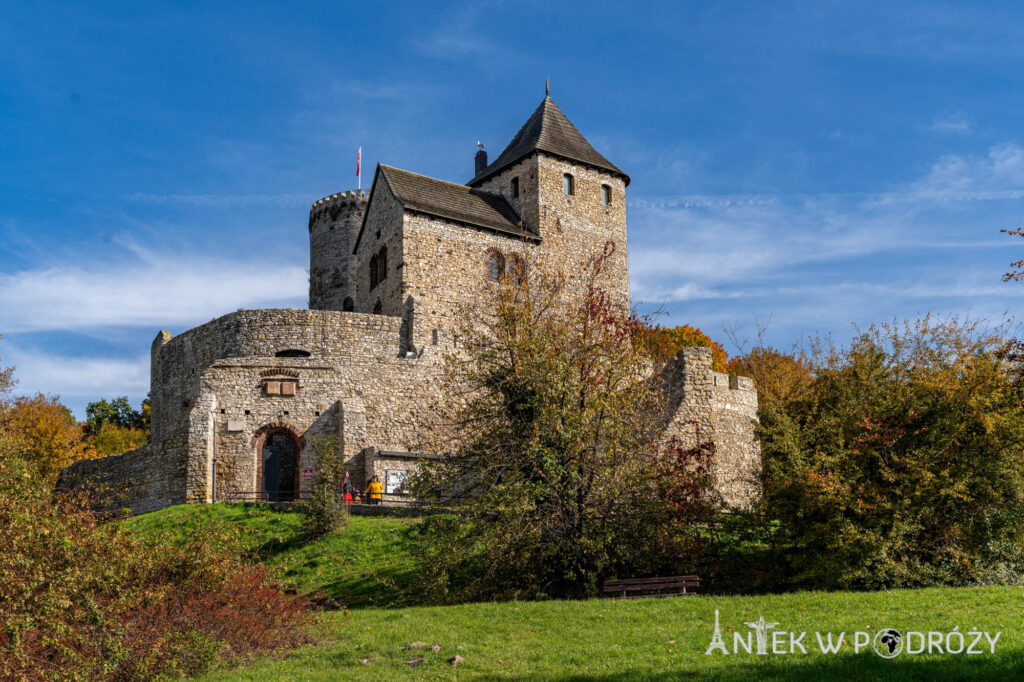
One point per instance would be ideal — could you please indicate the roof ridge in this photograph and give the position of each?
(386, 167)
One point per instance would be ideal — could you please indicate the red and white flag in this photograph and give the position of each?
(359, 160)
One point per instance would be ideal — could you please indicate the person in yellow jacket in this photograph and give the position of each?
(374, 490)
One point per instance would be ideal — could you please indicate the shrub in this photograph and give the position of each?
(81, 599)
(324, 512)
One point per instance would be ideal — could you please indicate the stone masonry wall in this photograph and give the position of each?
(334, 222)
(209, 401)
(709, 406)
(573, 228)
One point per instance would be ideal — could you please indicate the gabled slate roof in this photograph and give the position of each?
(548, 130)
(448, 200)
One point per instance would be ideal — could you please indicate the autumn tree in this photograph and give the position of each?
(900, 463)
(552, 474)
(665, 342)
(41, 431)
(780, 376)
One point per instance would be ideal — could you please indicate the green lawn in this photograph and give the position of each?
(641, 639)
(368, 563)
(656, 639)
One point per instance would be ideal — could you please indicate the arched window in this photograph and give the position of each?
(568, 186)
(349, 305)
(373, 273)
(495, 265)
(516, 268)
(378, 309)
(606, 195)
(515, 187)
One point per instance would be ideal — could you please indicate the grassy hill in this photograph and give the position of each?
(641, 639)
(368, 563)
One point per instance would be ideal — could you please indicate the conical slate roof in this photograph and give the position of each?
(548, 130)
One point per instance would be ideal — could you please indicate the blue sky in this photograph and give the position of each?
(801, 165)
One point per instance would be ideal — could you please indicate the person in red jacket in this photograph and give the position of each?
(347, 489)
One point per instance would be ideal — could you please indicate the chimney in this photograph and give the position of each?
(480, 159)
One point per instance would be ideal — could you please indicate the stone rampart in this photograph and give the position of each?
(704, 405)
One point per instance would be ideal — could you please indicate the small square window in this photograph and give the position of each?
(567, 185)
(606, 195)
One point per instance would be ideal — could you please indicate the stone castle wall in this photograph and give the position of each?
(704, 405)
(334, 222)
(208, 400)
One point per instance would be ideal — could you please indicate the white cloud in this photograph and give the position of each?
(77, 377)
(153, 290)
(800, 250)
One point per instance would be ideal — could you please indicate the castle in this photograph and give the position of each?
(237, 401)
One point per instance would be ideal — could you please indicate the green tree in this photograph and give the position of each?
(553, 476)
(114, 426)
(118, 412)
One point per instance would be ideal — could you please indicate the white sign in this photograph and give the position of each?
(394, 480)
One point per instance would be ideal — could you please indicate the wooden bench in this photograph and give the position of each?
(652, 587)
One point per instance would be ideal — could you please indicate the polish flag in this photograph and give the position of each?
(359, 160)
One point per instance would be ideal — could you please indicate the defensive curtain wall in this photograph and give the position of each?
(223, 388)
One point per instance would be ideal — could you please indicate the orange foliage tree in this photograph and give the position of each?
(665, 342)
(43, 433)
(39, 431)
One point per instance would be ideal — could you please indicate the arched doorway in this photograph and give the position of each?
(279, 466)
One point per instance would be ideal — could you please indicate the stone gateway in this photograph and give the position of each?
(237, 402)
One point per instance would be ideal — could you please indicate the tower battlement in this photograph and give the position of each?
(332, 205)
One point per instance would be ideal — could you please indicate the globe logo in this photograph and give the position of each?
(888, 643)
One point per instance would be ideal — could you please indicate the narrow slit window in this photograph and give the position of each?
(567, 185)
(515, 187)
(606, 195)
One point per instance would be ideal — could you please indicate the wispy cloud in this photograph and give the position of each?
(77, 379)
(222, 199)
(953, 123)
(795, 250)
(157, 290)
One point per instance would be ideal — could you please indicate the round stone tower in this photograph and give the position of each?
(334, 223)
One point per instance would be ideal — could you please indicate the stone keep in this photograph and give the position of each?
(237, 402)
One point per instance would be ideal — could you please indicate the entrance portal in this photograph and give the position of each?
(280, 467)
